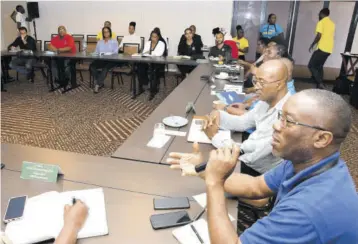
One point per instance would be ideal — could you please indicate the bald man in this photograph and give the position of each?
(256, 152)
(63, 69)
(316, 197)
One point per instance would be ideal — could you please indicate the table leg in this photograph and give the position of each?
(72, 66)
(50, 79)
(134, 82)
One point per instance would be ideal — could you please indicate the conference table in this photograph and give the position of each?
(192, 89)
(86, 56)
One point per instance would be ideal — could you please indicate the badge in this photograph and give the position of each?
(193, 48)
(223, 49)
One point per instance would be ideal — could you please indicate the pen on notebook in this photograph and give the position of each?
(197, 234)
(73, 201)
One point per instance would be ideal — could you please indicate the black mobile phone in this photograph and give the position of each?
(15, 208)
(167, 220)
(204, 77)
(171, 203)
(2, 165)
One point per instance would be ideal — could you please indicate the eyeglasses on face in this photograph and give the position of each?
(284, 121)
(260, 82)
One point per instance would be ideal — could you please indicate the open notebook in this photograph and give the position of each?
(186, 235)
(43, 216)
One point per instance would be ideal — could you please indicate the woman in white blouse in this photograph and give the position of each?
(154, 47)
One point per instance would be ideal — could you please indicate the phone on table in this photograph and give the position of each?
(15, 209)
(171, 203)
(167, 220)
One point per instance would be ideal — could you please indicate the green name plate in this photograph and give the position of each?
(38, 171)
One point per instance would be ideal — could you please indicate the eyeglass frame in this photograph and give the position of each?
(286, 120)
(262, 84)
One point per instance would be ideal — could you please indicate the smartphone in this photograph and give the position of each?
(167, 220)
(171, 203)
(15, 209)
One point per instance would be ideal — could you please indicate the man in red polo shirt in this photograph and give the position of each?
(63, 69)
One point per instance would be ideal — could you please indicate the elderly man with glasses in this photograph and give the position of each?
(256, 152)
(316, 199)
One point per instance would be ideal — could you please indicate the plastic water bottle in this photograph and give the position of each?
(84, 46)
(242, 73)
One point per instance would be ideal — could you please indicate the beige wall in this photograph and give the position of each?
(8, 26)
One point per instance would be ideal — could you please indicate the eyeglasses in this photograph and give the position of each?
(284, 121)
(260, 82)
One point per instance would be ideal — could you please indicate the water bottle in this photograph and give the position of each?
(84, 46)
(242, 73)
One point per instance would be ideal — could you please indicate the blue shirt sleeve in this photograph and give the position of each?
(275, 176)
(285, 224)
(279, 29)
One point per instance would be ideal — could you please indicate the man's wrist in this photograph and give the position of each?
(214, 182)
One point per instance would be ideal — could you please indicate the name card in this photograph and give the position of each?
(38, 171)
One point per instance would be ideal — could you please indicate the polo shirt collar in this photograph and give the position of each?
(280, 104)
(292, 181)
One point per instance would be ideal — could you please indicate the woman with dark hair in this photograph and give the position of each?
(100, 68)
(154, 47)
(241, 42)
(163, 39)
(191, 48)
(271, 29)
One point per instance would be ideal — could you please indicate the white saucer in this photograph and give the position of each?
(222, 77)
(175, 121)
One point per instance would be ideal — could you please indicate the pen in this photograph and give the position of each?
(73, 201)
(197, 234)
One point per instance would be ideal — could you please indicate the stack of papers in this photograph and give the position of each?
(158, 141)
(43, 216)
(230, 97)
(235, 88)
(186, 235)
(196, 132)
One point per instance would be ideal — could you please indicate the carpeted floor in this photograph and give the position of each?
(97, 124)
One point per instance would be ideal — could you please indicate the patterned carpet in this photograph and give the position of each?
(97, 124)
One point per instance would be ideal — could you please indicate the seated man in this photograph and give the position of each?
(256, 157)
(316, 200)
(131, 38)
(106, 24)
(63, 69)
(24, 65)
(196, 37)
(220, 50)
(74, 218)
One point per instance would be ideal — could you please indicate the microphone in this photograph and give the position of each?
(200, 167)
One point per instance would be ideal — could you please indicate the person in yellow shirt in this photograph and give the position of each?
(241, 42)
(324, 40)
(107, 23)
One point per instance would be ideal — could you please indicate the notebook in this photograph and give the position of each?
(186, 235)
(196, 133)
(43, 216)
(231, 97)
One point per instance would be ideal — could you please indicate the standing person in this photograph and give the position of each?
(220, 50)
(154, 47)
(325, 42)
(23, 64)
(107, 23)
(63, 70)
(132, 37)
(21, 19)
(241, 42)
(189, 48)
(271, 29)
(106, 45)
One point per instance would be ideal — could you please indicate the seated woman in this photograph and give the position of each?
(189, 48)
(154, 47)
(100, 68)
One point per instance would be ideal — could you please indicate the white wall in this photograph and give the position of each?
(172, 17)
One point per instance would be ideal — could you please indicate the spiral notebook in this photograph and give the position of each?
(43, 216)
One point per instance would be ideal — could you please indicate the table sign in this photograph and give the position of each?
(38, 171)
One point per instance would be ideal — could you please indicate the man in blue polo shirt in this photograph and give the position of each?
(316, 198)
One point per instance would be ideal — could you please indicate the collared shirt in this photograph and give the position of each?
(291, 86)
(100, 37)
(321, 209)
(257, 148)
(243, 43)
(111, 46)
(131, 39)
(66, 41)
(270, 31)
(327, 28)
(158, 50)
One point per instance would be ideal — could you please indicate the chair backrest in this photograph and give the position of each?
(39, 45)
(130, 48)
(91, 46)
(142, 40)
(78, 46)
(46, 43)
(78, 37)
(53, 35)
(91, 38)
(119, 39)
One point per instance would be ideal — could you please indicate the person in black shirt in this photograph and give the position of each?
(189, 48)
(220, 50)
(196, 37)
(23, 65)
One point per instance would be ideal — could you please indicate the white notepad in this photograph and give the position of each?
(186, 235)
(43, 216)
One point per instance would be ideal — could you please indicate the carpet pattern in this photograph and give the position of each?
(97, 124)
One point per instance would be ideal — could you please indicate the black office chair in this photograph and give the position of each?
(142, 41)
